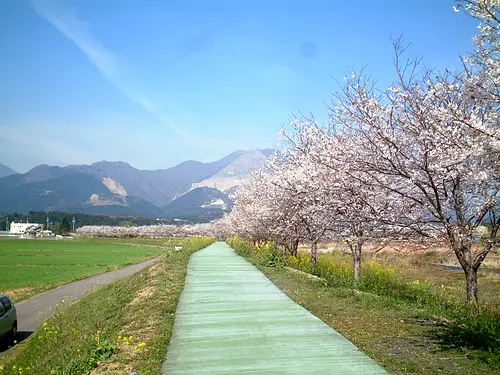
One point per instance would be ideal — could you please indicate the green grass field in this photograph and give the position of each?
(28, 267)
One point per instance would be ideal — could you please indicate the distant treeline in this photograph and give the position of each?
(56, 217)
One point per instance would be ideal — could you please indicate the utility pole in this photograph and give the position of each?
(74, 222)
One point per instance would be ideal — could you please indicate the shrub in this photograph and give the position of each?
(266, 252)
(241, 246)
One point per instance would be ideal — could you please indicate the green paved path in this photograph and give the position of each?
(232, 320)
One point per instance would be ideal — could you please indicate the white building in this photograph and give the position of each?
(20, 228)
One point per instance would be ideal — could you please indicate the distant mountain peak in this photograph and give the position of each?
(111, 163)
(266, 151)
(235, 172)
(43, 172)
(6, 170)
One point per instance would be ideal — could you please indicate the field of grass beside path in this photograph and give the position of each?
(31, 266)
(408, 324)
(121, 328)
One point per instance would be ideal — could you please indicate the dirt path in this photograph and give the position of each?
(33, 312)
(231, 319)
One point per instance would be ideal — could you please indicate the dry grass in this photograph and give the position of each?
(427, 265)
(403, 250)
(112, 368)
(143, 295)
(20, 293)
(305, 274)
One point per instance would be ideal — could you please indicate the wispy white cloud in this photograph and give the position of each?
(64, 18)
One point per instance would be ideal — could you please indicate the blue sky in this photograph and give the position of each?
(154, 83)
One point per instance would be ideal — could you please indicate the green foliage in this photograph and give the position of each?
(127, 223)
(104, 349)
(77, 336)
(275, 258)
(267, 251)
(63, 227)
(56, 217)
(270, 254)
(241, 246)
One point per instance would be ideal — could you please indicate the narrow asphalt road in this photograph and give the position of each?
(33, 312)
(231, 319)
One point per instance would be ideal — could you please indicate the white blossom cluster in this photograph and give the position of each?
(482, 70)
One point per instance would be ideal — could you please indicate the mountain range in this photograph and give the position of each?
(192, 190)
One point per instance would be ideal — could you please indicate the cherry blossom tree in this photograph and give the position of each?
(308, 190)
(264, 210)
(252, 215)
(353, 211)
(305, 211)
(423, 141)
(283, 202)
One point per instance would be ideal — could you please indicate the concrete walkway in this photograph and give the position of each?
(232, 320)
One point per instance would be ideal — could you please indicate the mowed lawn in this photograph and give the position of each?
(29, 266)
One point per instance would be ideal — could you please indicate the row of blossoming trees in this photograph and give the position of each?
(421, 158)
(217, 229)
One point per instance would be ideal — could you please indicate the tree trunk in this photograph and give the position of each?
(314, 253)
(463, 251)
(471, 287)
(356, 256)
(293, 248)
